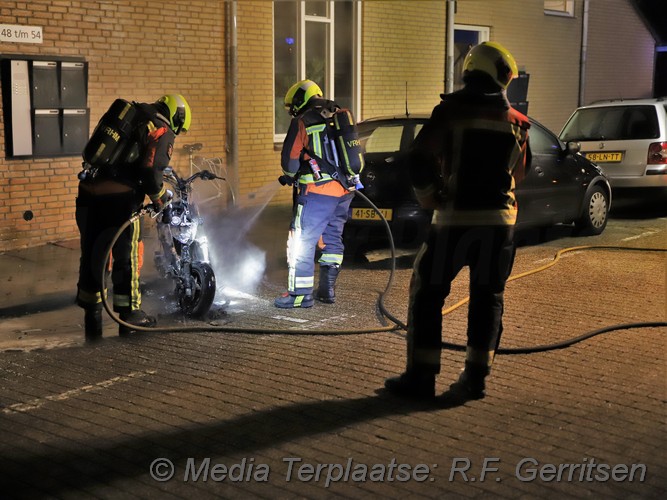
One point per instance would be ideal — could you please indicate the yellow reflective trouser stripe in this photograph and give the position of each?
(479, 357)
(90, 297)
(301, 282)
(121, 300)
(426, 356)
(293, 244)
(133, 301)
(135, 293)
(331, 258)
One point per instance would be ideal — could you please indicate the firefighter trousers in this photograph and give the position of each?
(488, 252)
(315, 216)
(98, 218)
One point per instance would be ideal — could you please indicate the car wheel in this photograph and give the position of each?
(595, 213)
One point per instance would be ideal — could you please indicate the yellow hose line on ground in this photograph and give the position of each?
(554, 261)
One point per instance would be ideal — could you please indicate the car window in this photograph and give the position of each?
(384, 139)
(612, 123)
(418, 128)
(641, 123)
(542, 142)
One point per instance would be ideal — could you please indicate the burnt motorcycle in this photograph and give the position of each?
(183, 251)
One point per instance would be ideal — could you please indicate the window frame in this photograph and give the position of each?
(566, 11)
(483, 35)
(329, 84)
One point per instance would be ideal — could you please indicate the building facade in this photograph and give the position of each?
(232, 60)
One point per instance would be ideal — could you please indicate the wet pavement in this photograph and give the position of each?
(288, 413)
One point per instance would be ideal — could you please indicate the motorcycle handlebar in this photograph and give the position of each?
(172, 176)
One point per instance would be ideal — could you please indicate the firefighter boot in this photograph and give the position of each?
(326, 290)
(135, 317)
(412, 384)
(92, 323)
(470, 385)
(287, 301)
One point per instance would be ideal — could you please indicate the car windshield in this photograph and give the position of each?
(382, 139)
(388, 137)
(611, 123)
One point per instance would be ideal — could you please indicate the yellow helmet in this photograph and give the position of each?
(299, 94)
(179, 112)
(494, 60)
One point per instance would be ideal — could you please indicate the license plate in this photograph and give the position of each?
(371, 214)
(608, 157)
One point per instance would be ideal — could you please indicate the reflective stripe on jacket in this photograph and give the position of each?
(468, 158)
(307, 132)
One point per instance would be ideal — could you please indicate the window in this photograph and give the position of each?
(384, 139)
(319, 41)
(559, 8)
(542, 143)
(465, 37)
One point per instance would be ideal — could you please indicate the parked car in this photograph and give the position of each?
(561, 186)
(627, 138)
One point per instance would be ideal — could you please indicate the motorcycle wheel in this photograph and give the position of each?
(203, 292)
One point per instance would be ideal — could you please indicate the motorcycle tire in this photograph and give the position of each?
(204, 292)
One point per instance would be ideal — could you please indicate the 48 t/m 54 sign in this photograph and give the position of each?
(20, 34)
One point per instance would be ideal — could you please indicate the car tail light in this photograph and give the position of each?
(657, 153)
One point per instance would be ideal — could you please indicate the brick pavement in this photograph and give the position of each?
(88, 421)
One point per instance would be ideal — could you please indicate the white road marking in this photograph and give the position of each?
(643, 235)
(563, 256)
(39, 402)
(287, 318)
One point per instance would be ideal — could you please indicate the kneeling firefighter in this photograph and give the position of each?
(108, 195)
(321, 201)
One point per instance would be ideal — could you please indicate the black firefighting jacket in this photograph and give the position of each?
(468, 157)
(153, 148)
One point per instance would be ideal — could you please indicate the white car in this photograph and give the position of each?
(627, 138)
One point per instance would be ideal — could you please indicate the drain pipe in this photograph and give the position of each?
(584, 54)
(449, 63)
(232, 99)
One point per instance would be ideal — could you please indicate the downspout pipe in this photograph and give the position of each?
(584, 54)
(231, 86)
(449, 63)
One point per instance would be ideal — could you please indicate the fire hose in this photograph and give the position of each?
(398, 325)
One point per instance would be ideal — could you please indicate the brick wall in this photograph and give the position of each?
(546, 47)
(621, 53)
(549, 49)
(135, 49)
(259, 162)
(402, 42)
(140, 49)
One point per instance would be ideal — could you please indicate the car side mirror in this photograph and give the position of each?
(573, 147)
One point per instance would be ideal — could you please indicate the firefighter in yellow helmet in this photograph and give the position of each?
(321, 202)
(107, 199)
(464, 164)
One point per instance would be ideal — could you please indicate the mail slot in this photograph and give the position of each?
(46, 133)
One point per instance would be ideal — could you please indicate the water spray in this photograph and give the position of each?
(397, 324)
